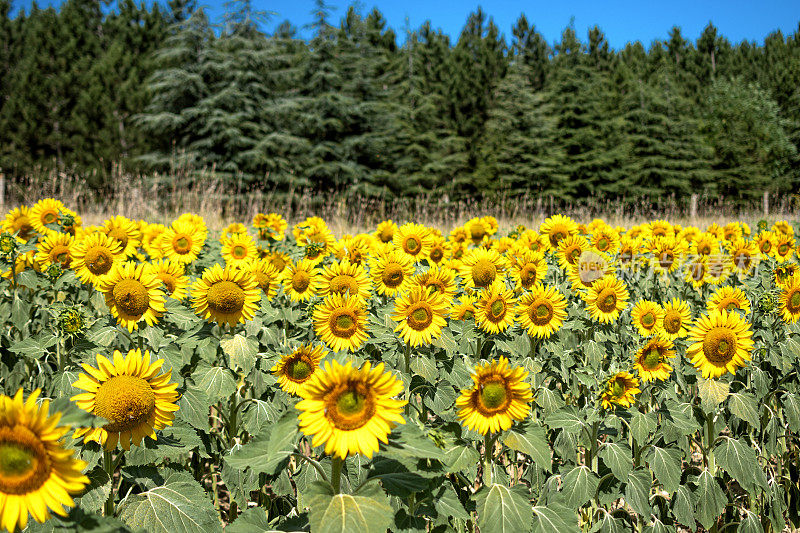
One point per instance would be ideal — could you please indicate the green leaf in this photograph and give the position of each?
(532, 441)
(666, 465)
(410, 442)
(791, 408)
(259, 415)
(176, 507)
(554, 518)
(216, 382)
(642, 425)
(241, 351)
(579, 485)
(566, 418)
(367, 512)
(194, 408)
(549, 400)
(458, 458)
(34, 347)
(750, 523)
(710, 499)
(741, 462)
(104, 336)
(425, 367)
(683, 506)
(618, 457)
(712, 393)
(253, 519)
(637, 491)
(396, 478)
(743, 406)
(268, 451)
(97, 491)
(503, 510)
(447, 505)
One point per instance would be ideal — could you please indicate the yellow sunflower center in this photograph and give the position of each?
(437, 254)
(49, 217)
(651, 359)
(344, 283)
(412, 246)
(557, 234)
(766, 246)
(298, 370)
(264, 281)
(99, 260)
(783, 249)
(648, 319)
(793, 301)
(672, 322)
(698, 271)
(541, 313)
(387, 234)
(497, 310)
(719, 345)
(618, 388)
(225, 297)
(343, 323)
(60, 254)
(419, 316)
(483, 273)
(300, 281)
(667, 259)
(182, 243)
(492, 397)
(24, 463)
(729, 304)
(239, 252)
(603, 244)
(392, 275)
(467, 314)
(349, 406)
(131, 297)
(126, 402)
(607, 300)
(120, 235)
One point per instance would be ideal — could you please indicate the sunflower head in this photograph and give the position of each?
(620, 390)
(72, 321)
(226, 296)
(340, 321)
(721, 343)
(8, 244)
(297, 368)
(651, 360)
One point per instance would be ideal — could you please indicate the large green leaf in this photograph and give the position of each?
(741, 462)
(743, 406)
(532, 441)
(666, 465)
(216, 382)
(579, 485)
(637, 491)
(194, 408)
(566, 418)
(554, 518)
(618, 457)
(642, 425)
(712, 393)
(683, 506)
(365, 512)
(503, 510)
(241, 351)
(710, 499)
(267, 452)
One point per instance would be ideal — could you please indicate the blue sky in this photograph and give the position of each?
(621, 20)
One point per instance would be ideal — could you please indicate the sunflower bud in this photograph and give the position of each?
(53, 272)
(71, 321)
(767, 302)
(762, 225)
(8, 244)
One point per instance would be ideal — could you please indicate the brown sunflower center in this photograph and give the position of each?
(497, 310)
(697, 271)
(437, 254)
(667, 259)
(742, 259)
(483, 273)
(607, 300)
(719, 345)
(766, 246)
(392, 275)
(349, 406)
(783, 249)
(557, 234)
(301, 281)
(527, 275)
(22, 224)
(60, 254)
(467, 314)
(648, 319)
(49, 217)
(298, 370)
(182, 244)
(99, 260)
(343, 323)
(168, 280)
(225, 297)
(412, 246)
(419, 316)
(120, 235)
(24, 463)
(344, 283)
(618, 388)
(573, 253)
(278, 262)
(793, 301)
(729, 304)
(704, 249)
(541, 313)
(239, 252)
(126, 402)
(651, 359)
(672, 322)
(131, 297)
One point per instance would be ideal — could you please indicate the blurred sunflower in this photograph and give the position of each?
(234, 228)
(340, 321)
(45, 213)
(542, 311)
(38, 474)
(318, 242)
(56, 248)
(421, 315)
(570, 250)
(765, 242)
(173, 276)
(705, 244)
(439, 252)
(721, 342)
(385, 231)
(477, 229)
(558, 227)
(650, 360)
(438, 279)
(301, 280)
(648, 317)
(226, 296)
(606, 299)
(18, 221)
(465, 309)
(728, 298)
(790, 300)
(494, 309)
(696, 271)
(279, 260)
(294, 370)
(266, 276)
(124, 231)
(605, 240)
(783, 272)
(527, 269)
(349, 410)
(743, 255)
(238, 250)
(677, 317)
(784, 247)
(131, 394)
(499, 395)
(391, 273)
(667, 253)
(133, 293)
(620, 390)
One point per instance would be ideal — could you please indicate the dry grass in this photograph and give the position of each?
(161, 198)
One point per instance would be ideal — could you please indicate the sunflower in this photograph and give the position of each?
(358, 248)
(629, 248)
(696, 271)
(784, 247)
(721, 343)
(728, 298)
(650, 360)
(438, 279)
(340, 321)
(18, 221)
(273, 226)
(385, 231)
(743, 255)
(527, 269)
(133, 293)
(783, 272)
(542, 311)
(37, 473)
(301, 280)
(421, 315)
(732, 232)
(279, 260)
(226, 296)
(151, 234)
(234, 228)
(782, 226)
(318, 242)
(238, 250)
(705, 244)
(648, 317)
(459, 235)
(124, 231)
(790, 300)
(620, 390)
(494, 309)
(348, 410)
(56, 248)
(534, 242)
(173, 276)
(266, 276)
(196, 221)
(477, 230)
(481, 268)
(558, 227)
(499, 395)
(45, 213)
(605, 240)
(465, 310)
(94, 257)
(391, 272)
(294, 370)
(345, 278)
(414, 240)
(765, 242)
(570, 249)
(131, 394)
(667, 253)
(590, 267)
(676, 318)
(659, 228)
(313, 224)
(606, 299)
(439, 252)
(182, 241)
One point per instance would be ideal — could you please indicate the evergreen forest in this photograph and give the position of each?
(360, 108)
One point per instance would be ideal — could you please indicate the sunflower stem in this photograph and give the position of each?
(488, 458)
(712, 464)
(108, 465)
(407, 359)
(336, 474)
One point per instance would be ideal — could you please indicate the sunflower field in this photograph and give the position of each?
(564, 377)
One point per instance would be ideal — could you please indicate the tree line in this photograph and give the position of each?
(358, 109)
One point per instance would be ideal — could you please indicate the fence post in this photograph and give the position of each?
(693, 208)
(766, 204)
